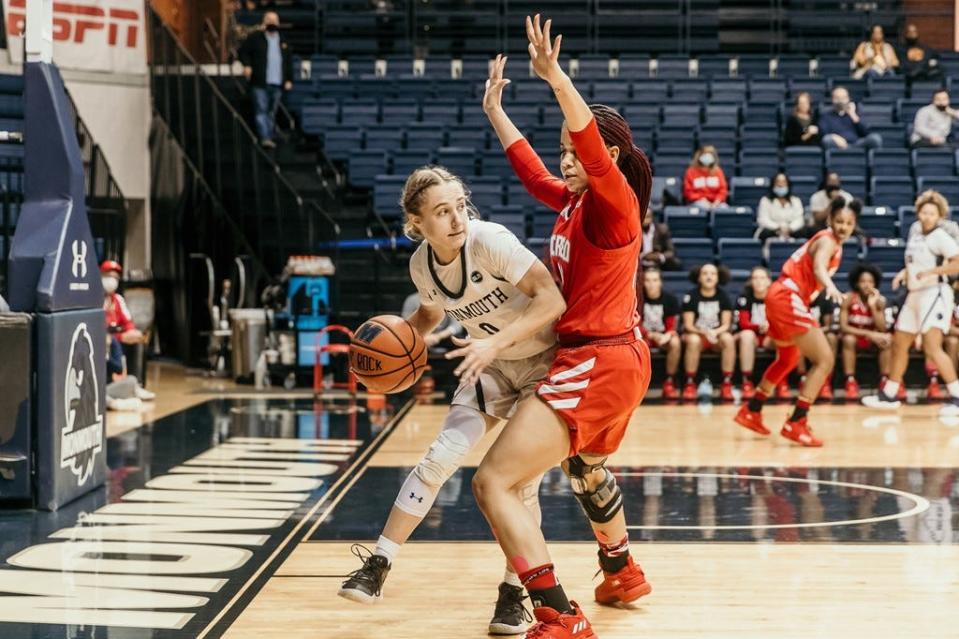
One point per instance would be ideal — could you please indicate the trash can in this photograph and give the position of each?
(249, 333)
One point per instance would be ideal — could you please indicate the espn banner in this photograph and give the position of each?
(92, 35)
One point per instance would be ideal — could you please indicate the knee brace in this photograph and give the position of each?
(461, 430)
(602, 503)
(787, 357)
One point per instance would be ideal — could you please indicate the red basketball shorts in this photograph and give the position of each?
(787, 314)
(595, 389)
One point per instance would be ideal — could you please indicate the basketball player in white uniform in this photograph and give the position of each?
(931, 256)
(480, 275)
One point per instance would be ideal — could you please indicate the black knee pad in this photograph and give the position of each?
(601, 504)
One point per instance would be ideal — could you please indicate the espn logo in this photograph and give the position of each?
(72, 22)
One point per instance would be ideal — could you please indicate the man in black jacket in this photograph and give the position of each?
(268, 66)
(658, 248)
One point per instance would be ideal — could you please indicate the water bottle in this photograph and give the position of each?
(705, 391)
(260, 379)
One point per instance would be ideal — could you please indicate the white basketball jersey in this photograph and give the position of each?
(924, 252)
(478, 288)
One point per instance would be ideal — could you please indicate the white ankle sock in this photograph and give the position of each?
(890, 388)
(953, 388)
(387, 548)
(512, 579)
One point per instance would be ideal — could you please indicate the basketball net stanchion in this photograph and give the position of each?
(333, 349)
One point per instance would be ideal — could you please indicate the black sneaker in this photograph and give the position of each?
(510, 617)
(365, 585)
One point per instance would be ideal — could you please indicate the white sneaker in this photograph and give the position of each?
(950, 409)
(131, 404)
(881, 402)
(144, 394)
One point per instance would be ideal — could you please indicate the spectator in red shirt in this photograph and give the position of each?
(705, 182)
(123, 391)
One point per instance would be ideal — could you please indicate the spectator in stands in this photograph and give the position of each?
(752, 325)
(660, 314)
(918, 62)
(841, 126)
(801, 129)
(819, 201)
(875, 57)
(827, 314)
(123, 391)
(268, 66)
(932, 126)
(862, 322)
(705, 183)
(780, 212)
(658, 248)
(707, 325)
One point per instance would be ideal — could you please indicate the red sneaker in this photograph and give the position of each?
(901, 393)
(624, 586)
(934, 390)
(782, 391)
(669, 390)
(726, 392)
(753, 421)
(800, 433)
(826, 391)
(749, 389)
(552, 624)
(852, 389)
(689, 391)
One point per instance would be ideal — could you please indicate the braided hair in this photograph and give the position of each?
(632, 161)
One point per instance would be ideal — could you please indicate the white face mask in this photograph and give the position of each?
(780, 191)
(110, 284)
(707, 159)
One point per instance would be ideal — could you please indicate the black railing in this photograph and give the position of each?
(220, 144)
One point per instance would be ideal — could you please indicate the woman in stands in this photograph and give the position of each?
(805, 275)
(660, 315)
(753, 329)
(780, 213)
(704, 184)
(862, 323)
(602, 367)
(801, 129)
(467, 263)
(932, 255)
(708, 326)
(875, 58)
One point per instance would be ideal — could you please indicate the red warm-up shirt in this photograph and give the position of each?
(119, 319)
(701, 182)
(596, 241)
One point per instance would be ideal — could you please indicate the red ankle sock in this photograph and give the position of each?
(539, 578)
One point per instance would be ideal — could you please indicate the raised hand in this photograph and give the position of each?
(493, 98)
(544, 51)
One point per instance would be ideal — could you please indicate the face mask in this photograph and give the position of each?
(272, 28)
(839, 106)
(832, 189)
(707, 159)
(781, 191)
(912, 41)
(942, 107)
(110, 284)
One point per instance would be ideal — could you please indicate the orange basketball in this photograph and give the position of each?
(387, 354)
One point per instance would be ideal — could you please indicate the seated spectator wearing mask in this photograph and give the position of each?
(123, 391)
(780, 213)
(875, 58)
(704, 184)
(819, 202)
(918, 62)
(657, 250)
(932, 126)
(841, 127)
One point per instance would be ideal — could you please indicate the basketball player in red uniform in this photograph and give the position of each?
(806, 274)
(602, 367)
(862, 320)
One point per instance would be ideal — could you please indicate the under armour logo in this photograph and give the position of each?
(418, 499)
(79, 267)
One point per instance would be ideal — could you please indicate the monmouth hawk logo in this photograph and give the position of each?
(82, 435)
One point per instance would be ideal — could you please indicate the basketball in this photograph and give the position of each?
(387, 354)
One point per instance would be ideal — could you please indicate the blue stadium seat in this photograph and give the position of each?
(593, 66)
(887, 89)
(727, 90)
(680, 115)
(405, 162)
(907, 109)
(855, 87)
(687, 221)
(364, 166)
(847, 162)
(493, 162)
(893, 135)
(670, 188)
(879, 221)
(855, 185)
(815, 87)
(758, 162)
(517, 195)
(747, 191)
(735, 222)
(689, 91)
(933, 162)
(792, 66)
(740, 253)
(476, 67)
(722, 115)
(803, 186)
(386, 195)
(459, 160)
(758, 135)
(920, 91)
(324, 65)
(694, 251)
(339, 143)
(948, 186)
(440, 113)
(888, 162)
(400, 113)
(671, 164)
(650, 92)
(677, 282)
(672, 66)
(887, 254)
(891, 191)
(766, 112)
(714, 66)
(907, 215)
(468, 137)
(543, 221)
(486, 195)
(357, 114)
(611, 92)
(383, 138)
(512, 217)
(631, 67)
(752, 65)
(877, 113)
(803, 160)
(778, 251)
(767, 90)
(675, 139)
(424, 138)
(642, 116)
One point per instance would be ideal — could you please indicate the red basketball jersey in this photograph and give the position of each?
(799, 267)
(859, 314)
